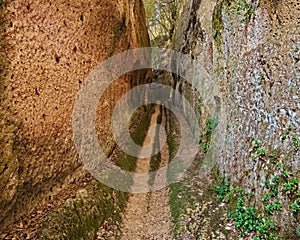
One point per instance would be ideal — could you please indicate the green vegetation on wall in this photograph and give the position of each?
(211, 124)
(258, 218)
(243, 8)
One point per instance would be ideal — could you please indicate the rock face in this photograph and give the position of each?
(253, 59)
(48, 49)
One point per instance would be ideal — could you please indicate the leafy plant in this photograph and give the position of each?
(261, 78)
(276, 206)
(283, 137)
(276, 180)
(271, 206)
(211, 124)
(245, 217)
(295, 141)
(291, 186)
(266, 229)
(295, 206)
(223, 190)
(242, 7)
(265, 197)
(280, 165)
(256, 143)
(248, 221)
(260, 152)
(273, 186)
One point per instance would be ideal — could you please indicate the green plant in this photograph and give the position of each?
(245, 217)
(243, 8)
(266, 229)
(295, 206)
(211, 124)
(280, 165)
(265, 198)
(276, 180)
(291, 186)
(267, 183)
(256, 143)
(276, 206)
(261, 78)
(285, 173)
(283, 137)
(260, 152)
(248, 221)
(273, 186)
(298, 231)
(223, 190)
(295, 141)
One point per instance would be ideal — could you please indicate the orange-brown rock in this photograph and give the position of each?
(47, 50)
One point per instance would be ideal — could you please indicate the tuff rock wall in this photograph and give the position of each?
(253, 61)
(47, 50)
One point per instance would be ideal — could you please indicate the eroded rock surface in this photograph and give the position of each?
(48, 49)
(253, 59)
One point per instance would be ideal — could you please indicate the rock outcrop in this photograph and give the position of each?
(251, 53)
(47, 50)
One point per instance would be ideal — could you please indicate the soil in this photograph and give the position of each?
(147, 215)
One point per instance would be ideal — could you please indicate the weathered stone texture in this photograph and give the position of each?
(255, 65)
(48, 49)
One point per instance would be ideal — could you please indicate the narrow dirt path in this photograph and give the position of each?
(147, 215)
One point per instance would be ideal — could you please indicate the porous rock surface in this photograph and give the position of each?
(48, 48)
